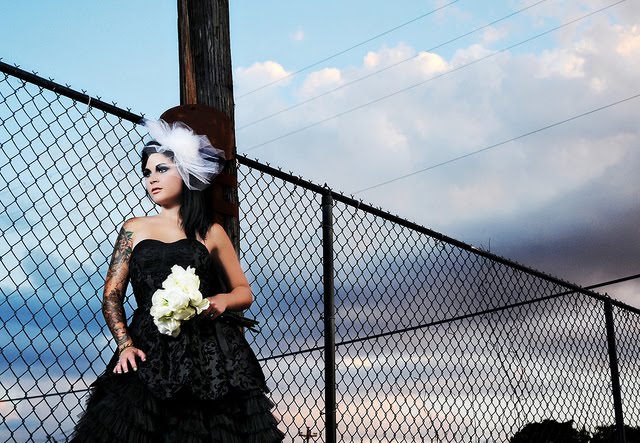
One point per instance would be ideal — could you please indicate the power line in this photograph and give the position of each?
(485, 312)
(575, 117)
(348, 111)
(613, 282)
(348, 49)
(393, 65)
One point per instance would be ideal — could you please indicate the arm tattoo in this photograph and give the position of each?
(115, 288)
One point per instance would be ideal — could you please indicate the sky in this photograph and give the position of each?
(510, 125)
(456, 77)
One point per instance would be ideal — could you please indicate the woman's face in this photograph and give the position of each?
(162, 180)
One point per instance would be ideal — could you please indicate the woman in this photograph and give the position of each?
(202, 383)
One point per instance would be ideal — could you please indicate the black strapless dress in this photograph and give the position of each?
(205, 385)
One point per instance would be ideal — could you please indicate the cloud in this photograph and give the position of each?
(493, 34)
(521, 182)
(629, 43)
(561, 63)
(320, 81)
(450, 12)
(261, 73)
(297, 35)
(8, 411)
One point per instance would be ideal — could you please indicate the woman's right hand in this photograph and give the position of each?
(127, 360)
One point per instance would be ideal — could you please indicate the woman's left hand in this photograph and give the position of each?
(217, 306)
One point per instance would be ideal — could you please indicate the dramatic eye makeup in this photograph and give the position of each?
(161, 167)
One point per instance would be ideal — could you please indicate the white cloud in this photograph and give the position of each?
(262, 72)
(431, 63)
(297, 35)
(629, 43)
(472, 108)
(269, 98)
(598, 85)
(470, 54)
(561, 63)
(320, 81)
(387, 56)
(450, 12)
(493, 35)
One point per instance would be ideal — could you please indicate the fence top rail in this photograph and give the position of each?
(379, 212)
(66, 91)
(113, 109)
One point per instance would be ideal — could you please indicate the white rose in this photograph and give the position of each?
(198, 302)
(194, 295)
(185, 279)
(168, 326)
(200, 306)
(177, 299)
(184, 313)
(160, 311)
(160, 304)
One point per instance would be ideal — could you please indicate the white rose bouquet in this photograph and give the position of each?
(178, 300)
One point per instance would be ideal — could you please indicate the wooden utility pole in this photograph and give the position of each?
(206, 95)
(205, 54)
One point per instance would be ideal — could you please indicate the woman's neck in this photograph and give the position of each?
(170, 213)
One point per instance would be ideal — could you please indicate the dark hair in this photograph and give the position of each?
(196, 211)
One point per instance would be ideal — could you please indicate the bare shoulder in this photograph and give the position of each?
(217, 237)
(134, 224)
(217, 229)
(136, 228)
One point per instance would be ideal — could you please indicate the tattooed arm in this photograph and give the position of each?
(115, 288)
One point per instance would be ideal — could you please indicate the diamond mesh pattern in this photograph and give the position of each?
(627, 326)
(65, 187)
(282, 254)
(443, 344)
(435, 341)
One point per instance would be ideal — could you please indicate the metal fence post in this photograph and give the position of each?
(329, 319)
(615, 375)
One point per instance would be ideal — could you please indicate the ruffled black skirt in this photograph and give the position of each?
(121, 409)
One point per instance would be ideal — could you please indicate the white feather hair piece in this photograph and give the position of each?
(197, 161)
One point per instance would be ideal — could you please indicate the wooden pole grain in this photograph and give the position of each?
(206, 79)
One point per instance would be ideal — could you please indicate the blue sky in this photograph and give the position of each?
(127, 51)
(562, 200)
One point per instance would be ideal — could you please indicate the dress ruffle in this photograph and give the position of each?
(120, 408)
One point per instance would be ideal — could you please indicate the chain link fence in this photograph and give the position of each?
(434, 341)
